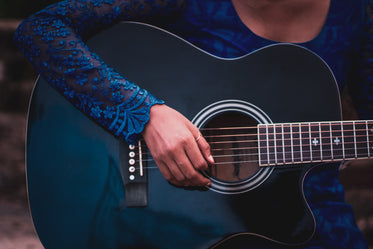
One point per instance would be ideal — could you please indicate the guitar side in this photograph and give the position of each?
(74, 167)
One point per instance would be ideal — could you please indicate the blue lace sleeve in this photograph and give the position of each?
(362, 91)
(53, 40)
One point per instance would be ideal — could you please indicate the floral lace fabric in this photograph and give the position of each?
(53, 40)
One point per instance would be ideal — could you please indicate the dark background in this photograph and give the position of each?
(19, 9)
(16, 81)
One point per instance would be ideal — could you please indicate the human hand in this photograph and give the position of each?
(177, 147)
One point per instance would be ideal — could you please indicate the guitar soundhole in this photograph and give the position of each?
(233, 140)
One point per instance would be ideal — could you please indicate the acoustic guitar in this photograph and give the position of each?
(270, 117)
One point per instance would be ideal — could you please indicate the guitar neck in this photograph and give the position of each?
(293, 143)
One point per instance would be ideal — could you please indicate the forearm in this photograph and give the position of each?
(54, 41)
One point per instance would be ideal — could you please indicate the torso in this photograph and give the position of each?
(334, 30)
(294, 21)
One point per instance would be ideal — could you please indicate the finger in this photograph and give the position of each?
(195, 156)
(205, 149)
(171, 172)
(193, 177)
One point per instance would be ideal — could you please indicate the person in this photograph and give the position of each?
(340, 32)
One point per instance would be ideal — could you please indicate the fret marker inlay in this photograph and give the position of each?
(315, 142)
(337, 141)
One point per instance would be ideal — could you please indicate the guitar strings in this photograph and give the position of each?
(272, 144)
(342, 132)
(297, 125)
(294, 156)
(280, 160)
(286, 155)
(273, 164)
(289, 135)
(337, 152)
(286, 136)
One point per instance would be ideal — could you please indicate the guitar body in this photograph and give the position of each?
(77, 172)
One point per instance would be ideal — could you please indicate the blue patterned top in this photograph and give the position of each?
(53, 40)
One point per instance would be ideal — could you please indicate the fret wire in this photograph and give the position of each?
(353, 125)
(343, 140)
(361, 138)
(300, 141)
(324, 142)
(259, 148)
(274, 137)
(267, 144)
(279, 141)
(305, 148)
(321, 155)
(348, 132)
(338, 143)
(367, 131)
(291, 143)
(309, 128)
(283, 143)
(272, 140)
(331, 140)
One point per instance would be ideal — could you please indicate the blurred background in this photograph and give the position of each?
(16, 82)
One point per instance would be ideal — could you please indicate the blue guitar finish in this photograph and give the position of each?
(75, 167)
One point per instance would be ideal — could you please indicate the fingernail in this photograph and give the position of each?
(211, 159)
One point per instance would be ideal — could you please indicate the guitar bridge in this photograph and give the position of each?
(134, 174)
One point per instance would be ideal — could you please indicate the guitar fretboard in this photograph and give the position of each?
(291, 143)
